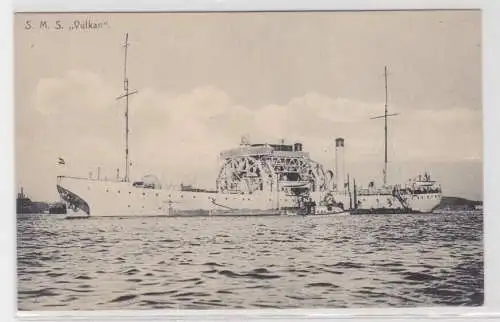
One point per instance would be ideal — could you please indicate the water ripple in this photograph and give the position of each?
(246, 262)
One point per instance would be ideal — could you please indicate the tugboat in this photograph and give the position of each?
(58, 208)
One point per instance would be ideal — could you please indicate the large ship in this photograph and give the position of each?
(254, 179)
(420, 194)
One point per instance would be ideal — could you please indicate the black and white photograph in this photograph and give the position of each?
(248, 160)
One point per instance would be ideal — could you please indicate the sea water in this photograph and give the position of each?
(249, 262)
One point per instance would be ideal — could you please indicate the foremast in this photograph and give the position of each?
(125, 95)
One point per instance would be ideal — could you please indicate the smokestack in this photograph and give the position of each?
(339, 164)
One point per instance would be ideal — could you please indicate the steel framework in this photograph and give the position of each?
(247, 174)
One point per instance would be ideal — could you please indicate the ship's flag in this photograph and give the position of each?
(61, 161)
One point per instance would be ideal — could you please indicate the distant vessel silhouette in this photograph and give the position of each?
(24, 205)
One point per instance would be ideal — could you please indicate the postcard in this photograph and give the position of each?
(249, 160)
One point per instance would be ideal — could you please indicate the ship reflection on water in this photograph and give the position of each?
(250, 262)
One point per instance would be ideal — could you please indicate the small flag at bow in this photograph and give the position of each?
(61, 161)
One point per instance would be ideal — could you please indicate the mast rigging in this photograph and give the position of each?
(126, 95)
(385, 116)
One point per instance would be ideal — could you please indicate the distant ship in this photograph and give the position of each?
(255, 179)
(24, 205)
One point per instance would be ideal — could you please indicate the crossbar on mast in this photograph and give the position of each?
(385, 116)
(126, 96)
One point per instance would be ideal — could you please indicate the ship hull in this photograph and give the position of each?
(389, 204)
(122, 199)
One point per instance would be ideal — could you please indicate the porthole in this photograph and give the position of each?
(143, 193)
(157, 195)
(118, 191)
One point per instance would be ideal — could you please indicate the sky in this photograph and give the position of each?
(206, 79)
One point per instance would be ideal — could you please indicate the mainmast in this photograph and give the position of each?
(126, 95)
(385, 126)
